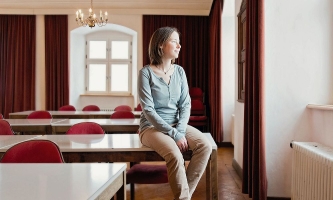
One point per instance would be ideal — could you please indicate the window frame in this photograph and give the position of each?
(109, 36)
(241, 51)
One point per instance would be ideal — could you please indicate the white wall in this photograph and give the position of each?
(298, 71)
(228, 68)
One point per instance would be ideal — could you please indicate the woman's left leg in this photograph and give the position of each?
(201, 149)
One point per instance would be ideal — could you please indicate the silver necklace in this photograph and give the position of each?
(165, 72)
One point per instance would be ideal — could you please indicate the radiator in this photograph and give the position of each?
(107, 109)
(312, 171)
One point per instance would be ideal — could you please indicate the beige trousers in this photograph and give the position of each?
(182, 181)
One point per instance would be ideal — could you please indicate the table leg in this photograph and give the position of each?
(121, 193)
(213, 158)
(208, 179)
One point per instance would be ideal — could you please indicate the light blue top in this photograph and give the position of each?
(166, 107)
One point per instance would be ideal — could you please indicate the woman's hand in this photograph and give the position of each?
(182, 144)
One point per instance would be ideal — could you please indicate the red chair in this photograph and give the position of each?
(1, 116)
(33, 151)
(146, 174)
(138, 108)
(196, 94)
(67, 108)
(122, 115)
(5, 128)
(91, 108)
(123, 108)
(198, 116)
(85, 128)
(40, 114)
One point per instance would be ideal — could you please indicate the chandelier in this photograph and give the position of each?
(91, 20)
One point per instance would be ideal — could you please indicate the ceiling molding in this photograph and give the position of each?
(110, 11)
(121, 7)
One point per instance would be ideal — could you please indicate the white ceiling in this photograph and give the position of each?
(158, 7)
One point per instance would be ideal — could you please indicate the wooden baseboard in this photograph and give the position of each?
(224, 144)
(278, 198)
(237, 168)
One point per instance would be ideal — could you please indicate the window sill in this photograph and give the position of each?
(320, 107)
(107, 95)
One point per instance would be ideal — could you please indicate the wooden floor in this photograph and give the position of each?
(229, 183)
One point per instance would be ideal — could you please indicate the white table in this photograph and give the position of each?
(124, 148)
(62, 181)
(109, 125)
(72, 114)
(32, 126)
(10, 140)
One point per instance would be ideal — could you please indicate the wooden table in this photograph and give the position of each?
(10, 140)
(72, 114)
(109, 125)
(124, 148)
(32, 126)
(62, 181)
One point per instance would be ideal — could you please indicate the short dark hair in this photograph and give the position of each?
(159, 37)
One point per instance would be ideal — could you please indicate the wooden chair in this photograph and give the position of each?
(5, 128)
(196, 94)
(198, 116)
(85, 128)
(138, 108)
(33, 151)
(145, 174)
(91, 108)
(123, 108)
(67, 108)
(122, 115)
(39, 114)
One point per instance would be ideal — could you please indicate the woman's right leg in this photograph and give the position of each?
(165, 146)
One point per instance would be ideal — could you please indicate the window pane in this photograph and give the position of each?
(119, 50)
(119, 77)
(97, 77)
(97, 49)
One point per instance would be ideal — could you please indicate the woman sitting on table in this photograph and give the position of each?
(165, 102)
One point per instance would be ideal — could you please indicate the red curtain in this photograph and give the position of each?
(254, 162)
(215, 70)
(17, 63)
(56, 61)
(194, 54)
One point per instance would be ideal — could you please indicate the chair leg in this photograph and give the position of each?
(132, 190)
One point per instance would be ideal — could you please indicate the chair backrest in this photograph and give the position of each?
(67, 108)
(196, 94)
(123, 108)
(5, 128)
(122, 115)
(39, 114)
(1, 116)
(86, 128)
(138, 108)
(91, 108)
(33, 151)
(197, 107)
